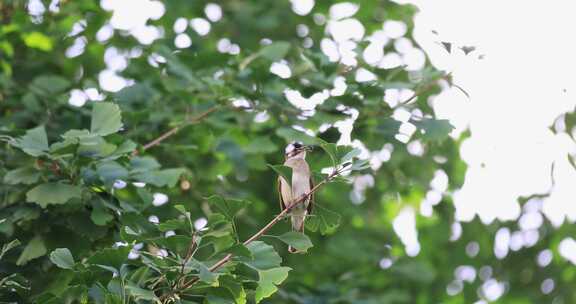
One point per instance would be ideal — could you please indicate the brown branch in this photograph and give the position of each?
(273, 222)
(174, 130)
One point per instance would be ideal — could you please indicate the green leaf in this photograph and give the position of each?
(239, 250)
(204, 274)
(234, 286)
(173, 224)
(264, 256)
(106, 118)
(111, 171)
(323, 220)
(285, 172)
(26, 175)
(331, 150)
(360, 165)
(434, 129)
(124, 148)
(111, 257)
(53, 193)
(140, 293)
(161, 178)
(95, 146)
(269, 279)
(100, 216)
(34, 142)
(291, 135)
(414, 271)
(275, 51)
(62, 258)
(50, 84)
(261, 145)
(228, 207)
(143, 164)
(297, 240)
(348, 157)
(34, 249)
(38, 41)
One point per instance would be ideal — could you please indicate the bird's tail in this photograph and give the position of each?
(298, 226)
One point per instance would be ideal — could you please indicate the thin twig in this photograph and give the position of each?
(174, 130)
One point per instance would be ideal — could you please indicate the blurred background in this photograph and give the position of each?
(464, 110)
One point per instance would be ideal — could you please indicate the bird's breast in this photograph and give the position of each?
(300, 183)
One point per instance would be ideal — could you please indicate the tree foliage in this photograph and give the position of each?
(158, 191)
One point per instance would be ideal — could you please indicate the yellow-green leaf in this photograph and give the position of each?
(38, 41)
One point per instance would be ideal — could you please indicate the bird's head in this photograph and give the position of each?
(296, 150)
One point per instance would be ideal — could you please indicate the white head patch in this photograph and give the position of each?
(291, 146)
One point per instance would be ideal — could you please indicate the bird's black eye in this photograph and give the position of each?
(297, 145)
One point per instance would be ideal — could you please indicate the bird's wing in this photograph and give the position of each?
(284, 193)
(311, 203)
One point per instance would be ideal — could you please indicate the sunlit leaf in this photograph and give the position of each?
(268, 281)
(62, 258)
(38, 41)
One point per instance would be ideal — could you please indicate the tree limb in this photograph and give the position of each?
(273, 222)
(174, 130)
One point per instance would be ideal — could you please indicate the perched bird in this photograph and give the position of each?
(300, 186)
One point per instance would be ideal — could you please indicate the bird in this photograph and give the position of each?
(291, 193)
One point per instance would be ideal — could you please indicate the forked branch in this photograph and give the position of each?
(264, 229)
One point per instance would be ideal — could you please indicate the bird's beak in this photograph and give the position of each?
(308, 148)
